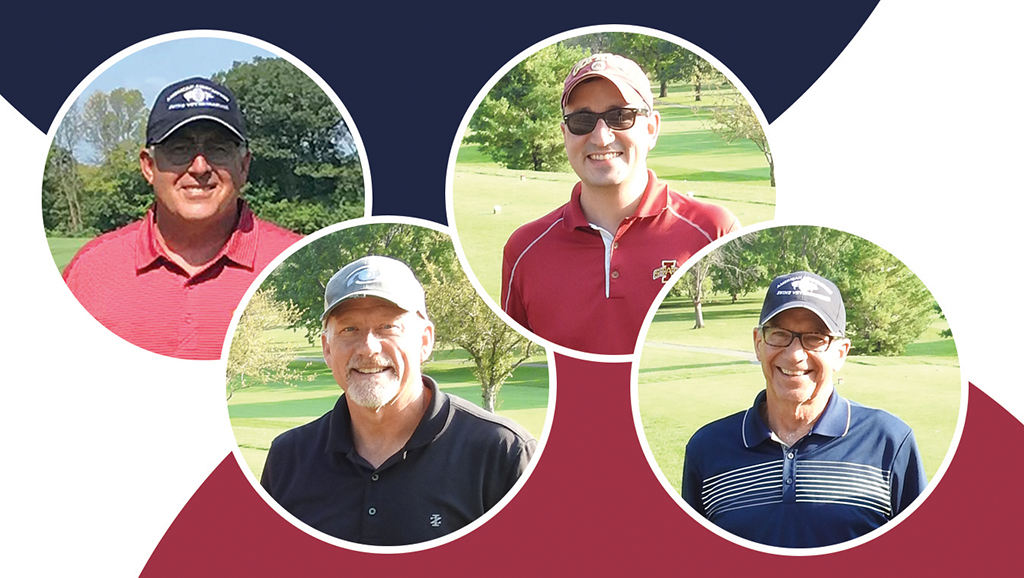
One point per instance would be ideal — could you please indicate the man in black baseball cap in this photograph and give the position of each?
(170, 282)
(398, 460)
(802, 467)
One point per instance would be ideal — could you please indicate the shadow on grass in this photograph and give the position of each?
(679, 314)
(692, 366)
(939, 348)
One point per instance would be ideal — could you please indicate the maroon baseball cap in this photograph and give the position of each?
(626, 75)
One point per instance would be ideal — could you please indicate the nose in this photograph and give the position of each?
(199, 164)
(602, 135)
(369, 344)
(796, 349)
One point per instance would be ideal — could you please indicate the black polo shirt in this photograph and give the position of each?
(460, 462)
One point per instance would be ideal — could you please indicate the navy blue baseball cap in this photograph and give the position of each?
(809, 291)
(376, 276)
(190, 100)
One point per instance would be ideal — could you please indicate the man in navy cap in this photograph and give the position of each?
(397, 461)
(802, 467)
(170, 282)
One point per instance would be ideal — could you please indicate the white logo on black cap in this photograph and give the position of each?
(198, 94)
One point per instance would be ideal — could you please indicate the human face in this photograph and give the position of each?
(794, 376)
(606, 158)
(197, 190)
(374, 349)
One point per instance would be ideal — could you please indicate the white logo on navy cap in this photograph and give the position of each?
(198, 94)
(805, 286)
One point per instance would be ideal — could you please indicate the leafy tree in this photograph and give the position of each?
(887, 306)
(517, 123)
(254, 358)
(109, 120)
(460, 317)
(947, 332)
(734, 119)
(305, 172)
(116, 194)
(463, 320)
(62, 187)
(662, 60)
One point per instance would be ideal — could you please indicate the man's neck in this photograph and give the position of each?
(607, 207)
(193, 245)
(790, 422)
(381, 433)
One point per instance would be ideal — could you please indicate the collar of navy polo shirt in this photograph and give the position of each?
(434, 422)
(833, 422)
(240, 248)
(653, 202)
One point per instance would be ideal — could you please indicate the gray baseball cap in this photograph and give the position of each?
(376, 276)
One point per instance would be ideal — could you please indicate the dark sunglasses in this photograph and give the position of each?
(583, 122)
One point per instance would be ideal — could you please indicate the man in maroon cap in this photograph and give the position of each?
(585, 275)
(170, 282)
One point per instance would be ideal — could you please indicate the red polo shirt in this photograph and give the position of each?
(127, 281)
(555, 282)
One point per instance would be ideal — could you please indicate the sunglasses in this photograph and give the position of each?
(583, 122)
(183, 151)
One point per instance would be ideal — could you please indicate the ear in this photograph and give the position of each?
(428, 341)
(565, 131)
(653, 128)
(325, 345)
(146, 165)
(842, 347)
(757, 344)
(245, 166)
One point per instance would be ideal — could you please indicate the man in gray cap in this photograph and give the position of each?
(397, 461)
(802, 467)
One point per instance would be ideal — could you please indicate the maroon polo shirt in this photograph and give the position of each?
(555, 282)
(126, 280)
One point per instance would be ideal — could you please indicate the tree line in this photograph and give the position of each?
(305, 172)
(293, 296)
(887, 306)
(517, 123)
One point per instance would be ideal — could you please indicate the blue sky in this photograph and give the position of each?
(154, 67)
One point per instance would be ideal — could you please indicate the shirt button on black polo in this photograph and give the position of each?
(790, 455)
(371, 511)
(789, 480)
(375, 477)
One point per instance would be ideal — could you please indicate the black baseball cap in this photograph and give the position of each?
(809, 291)
(376, 276)
(190, 100)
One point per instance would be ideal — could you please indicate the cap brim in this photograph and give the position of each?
(361, 294)
(625, 90)
(192, 119)
(810, 307)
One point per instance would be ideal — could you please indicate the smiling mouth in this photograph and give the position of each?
(370, 370)
(794, 372)
(603, 156)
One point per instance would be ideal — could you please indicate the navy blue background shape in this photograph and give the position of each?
(408, 75)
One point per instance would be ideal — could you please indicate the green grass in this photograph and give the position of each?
(259, 414)
(64, 248)
(688, 156)
(680, 390)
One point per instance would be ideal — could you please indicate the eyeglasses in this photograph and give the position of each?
(778, 337)
(182, 151)
(584, 122)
